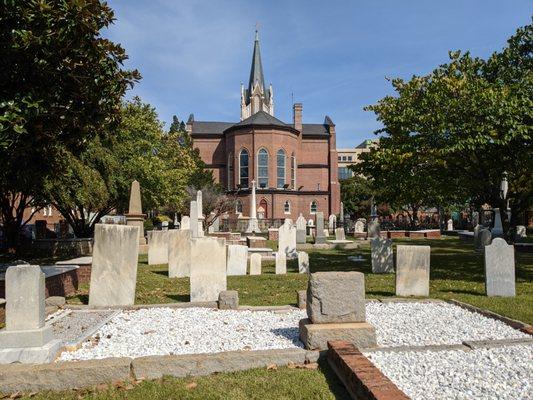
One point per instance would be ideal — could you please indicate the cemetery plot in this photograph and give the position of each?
(490, 373)
(163, 331)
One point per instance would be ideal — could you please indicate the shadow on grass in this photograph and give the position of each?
(462, 291)
(380, 293)
(335, 385)
(179, 298)
(164, 273)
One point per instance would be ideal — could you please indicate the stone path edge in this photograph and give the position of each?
(361, 378)
(513, 323)
(82, 374)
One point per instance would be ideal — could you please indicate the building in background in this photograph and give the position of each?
(347, 157)
(293, 164)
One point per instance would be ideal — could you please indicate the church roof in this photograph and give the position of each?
(262, 118)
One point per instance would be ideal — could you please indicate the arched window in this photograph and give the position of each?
(230, 171)
(287, 207)
(238, 207)
(293, 171)
(243, 168)
(262, 168)
(313, 207)
(281, 168)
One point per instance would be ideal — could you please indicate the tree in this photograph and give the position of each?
(356, 194)
(215, 202)
(449, 136)
(98, 181)
(61, 84)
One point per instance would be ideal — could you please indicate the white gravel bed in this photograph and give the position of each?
(497, 373)
(164, 331)
(423, 324)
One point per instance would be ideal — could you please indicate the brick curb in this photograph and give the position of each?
(513, 323)
(359, 375)
(81, 374)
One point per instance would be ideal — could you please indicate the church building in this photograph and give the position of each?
(294, 165)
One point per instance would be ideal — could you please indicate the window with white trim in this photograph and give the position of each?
(262, 168)
(280, 162)
(243, 168)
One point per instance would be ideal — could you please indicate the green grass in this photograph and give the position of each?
(282, 383)
(457, 272)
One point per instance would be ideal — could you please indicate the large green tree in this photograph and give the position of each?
(61, 85)
(98, 181)
(449, 136)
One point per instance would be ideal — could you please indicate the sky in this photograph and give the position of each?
(332, 56)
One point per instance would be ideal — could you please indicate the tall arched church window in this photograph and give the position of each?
(313, 207)
(293, 171)
(230, 171)
(243, 168)
(280, 162)
(262, 168)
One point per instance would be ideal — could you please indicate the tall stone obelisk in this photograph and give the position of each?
(135, 216)
(253, 226)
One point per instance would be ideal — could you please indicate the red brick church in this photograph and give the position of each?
(293, 164)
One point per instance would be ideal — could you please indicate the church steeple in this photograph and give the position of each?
(256, 97)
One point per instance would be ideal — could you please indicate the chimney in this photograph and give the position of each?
(297, 119)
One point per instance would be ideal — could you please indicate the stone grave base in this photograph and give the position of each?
(31, 355)
(26, 338)
(316, 336)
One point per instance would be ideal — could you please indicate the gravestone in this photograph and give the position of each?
(237, 259)
(336, 297)
(320, 238)
(497, 229)
(200, 213)
(359, 226)
(499, 269)
(301, 226)
(215, 225)
(485, 238)
(412, 270)
(303, 262)
(477, 230)
(374, 230)
(287, 238)
(26, 338)
(185, 223)
(255, 264)
(135, 216)
(339, 234)
(193, 220)
(475, 218)
(208, 269)
(157, 247)
(332, 223)
(114, 267)
(382, 257)
(450, 225)
(281, 263)
(179, 253)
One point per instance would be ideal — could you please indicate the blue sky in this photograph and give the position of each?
(333, 56)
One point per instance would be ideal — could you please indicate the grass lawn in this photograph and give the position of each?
(282, 383)
(457, 272)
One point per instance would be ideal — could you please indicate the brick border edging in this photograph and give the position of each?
(82, 374)
(513, 323)
(362, 379)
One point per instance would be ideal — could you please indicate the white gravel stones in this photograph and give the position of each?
(160, 331)
(496, 373)
(422, 324)
(163, 331)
